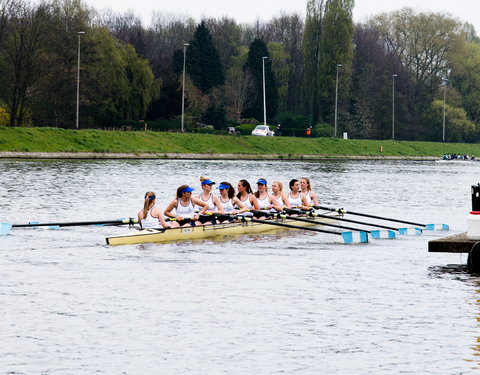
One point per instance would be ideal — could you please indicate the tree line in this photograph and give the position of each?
(402, 74)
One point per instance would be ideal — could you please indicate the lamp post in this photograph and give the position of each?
(393, 105)
(336, 100)
(445, 82)
(80, 33)
(264, 97)
(185, 45)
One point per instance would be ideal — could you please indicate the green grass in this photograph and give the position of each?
(61, 140)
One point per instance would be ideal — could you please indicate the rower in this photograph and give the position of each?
(150, 216)
(184, 207)
(279, 195)
(230, 203)
(307, 192)
(266, 202)
(206, 196)
(245, 195)
(295, 197)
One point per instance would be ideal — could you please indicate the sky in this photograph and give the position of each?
(247, 11)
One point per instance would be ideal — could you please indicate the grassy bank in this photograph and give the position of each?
(61, 140)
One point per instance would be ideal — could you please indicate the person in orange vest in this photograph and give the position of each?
(309, 131)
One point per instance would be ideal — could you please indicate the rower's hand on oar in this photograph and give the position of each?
(179, 218)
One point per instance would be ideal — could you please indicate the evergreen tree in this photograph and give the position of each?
(254, 66)
(203, 62)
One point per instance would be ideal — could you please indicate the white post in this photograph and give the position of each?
(336, 100)
(185, 45)
(393, 106)
(80, 33)
(445, 81)
(264, 97)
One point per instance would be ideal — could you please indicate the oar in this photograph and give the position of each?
(415, 231)
(5, 227)
(426, 226)
(348, 237)
(375, 234)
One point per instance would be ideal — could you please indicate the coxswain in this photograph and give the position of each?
(184, 205)
(307, 192)
(150, 216)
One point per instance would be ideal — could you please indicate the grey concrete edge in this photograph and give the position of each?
(95, 155)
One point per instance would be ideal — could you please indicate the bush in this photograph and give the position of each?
(323, 130)
(246, 129)
(292, 121)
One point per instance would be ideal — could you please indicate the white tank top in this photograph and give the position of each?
(278, 199)
(187, 212)
(247, 202)
(309, 198)
(209, 201)
(150, 221)
(263, 203)
(227, 206)
(295, 201)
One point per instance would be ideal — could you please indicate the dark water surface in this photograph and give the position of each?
(291, 303)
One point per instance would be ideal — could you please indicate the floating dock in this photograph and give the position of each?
(458, 243)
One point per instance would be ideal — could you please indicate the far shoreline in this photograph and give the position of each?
(196, 156)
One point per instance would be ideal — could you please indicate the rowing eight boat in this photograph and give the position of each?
(207, 231)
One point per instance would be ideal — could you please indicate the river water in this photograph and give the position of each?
(283, 303)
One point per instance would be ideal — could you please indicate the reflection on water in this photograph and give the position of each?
(296, 303)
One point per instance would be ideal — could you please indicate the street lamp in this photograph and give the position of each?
(264, 97)
(393, 105)
(185, 45)
(80, 33)
(336, 100)
(445, 82)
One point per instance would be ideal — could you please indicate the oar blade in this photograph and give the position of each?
(382, 234)
(5, 228)
(410, 231)
(355, 237)
(437, 227)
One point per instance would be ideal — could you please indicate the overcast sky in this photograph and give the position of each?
(247, 11)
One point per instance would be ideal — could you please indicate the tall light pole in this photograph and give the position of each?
(264, 97)
(185, 45)
(445, 82)
(336, 100)
(393, 105)
(80, 33)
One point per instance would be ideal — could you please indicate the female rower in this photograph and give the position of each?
(150, 216)
(214, 205)
(184, 207)
(307, 192)
(295, 197)
(245, 195)
(228, 200)
(266, 201)
(279, 195)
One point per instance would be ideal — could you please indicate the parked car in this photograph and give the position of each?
(263, 131)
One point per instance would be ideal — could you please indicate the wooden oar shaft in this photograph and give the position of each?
(356, 222)
(285, 225)
(341, 211)
(77, 223)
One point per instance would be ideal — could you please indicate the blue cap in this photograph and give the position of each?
(262, 181)
(207, 182)
(223, 186)
(188, 189)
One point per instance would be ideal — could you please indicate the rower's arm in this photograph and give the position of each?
(275, 204)
(199, 202)
(169, 208)
(254, 202)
